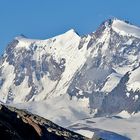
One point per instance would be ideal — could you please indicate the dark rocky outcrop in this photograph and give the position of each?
(20, 125)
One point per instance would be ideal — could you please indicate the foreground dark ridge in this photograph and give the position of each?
(20, 125)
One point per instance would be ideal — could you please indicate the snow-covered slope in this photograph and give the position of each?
(111, 128)
(43, 68)
(126, 29)
(74, 77)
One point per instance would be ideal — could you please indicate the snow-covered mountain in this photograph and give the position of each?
(42, 68)
(74, 77)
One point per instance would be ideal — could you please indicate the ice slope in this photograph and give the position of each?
(134, 80)
(125, 28)
(111, 128)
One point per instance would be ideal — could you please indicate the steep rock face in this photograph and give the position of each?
(113, 52)
(125, 96)
(20, 125)
(91, 68)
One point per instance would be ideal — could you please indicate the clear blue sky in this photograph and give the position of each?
(46, 18)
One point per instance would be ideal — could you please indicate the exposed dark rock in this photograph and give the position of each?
(19, 125)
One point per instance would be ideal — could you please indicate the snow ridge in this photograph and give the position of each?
(126, 29)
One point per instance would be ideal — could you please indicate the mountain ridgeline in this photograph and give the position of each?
(101, 69)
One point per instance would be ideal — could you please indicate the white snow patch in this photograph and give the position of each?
(86, 133)
(112, 81)
(127, 94)
(126, 29)
(136, 97)
(134, 80)
(8, 76)
(21, 91)
(124, 114)
(129, 42)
